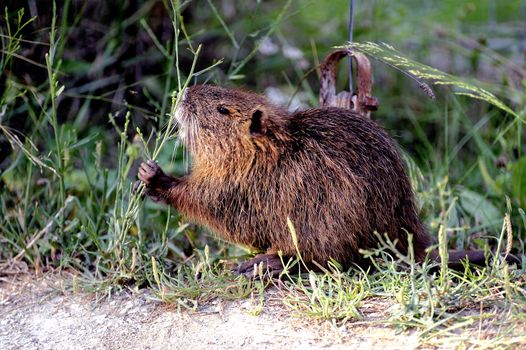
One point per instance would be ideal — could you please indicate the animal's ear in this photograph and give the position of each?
(258, 123)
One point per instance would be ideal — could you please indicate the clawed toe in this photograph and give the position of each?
(148, 170)
(268, 265)
(156, 182)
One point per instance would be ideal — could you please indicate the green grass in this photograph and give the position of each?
(76, 118)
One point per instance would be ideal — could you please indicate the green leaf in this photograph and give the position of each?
(390, 56)
(481, 209)
(518, 181)
(84, 141)
(60, 89)
(488, 179)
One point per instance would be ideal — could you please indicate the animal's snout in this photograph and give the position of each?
(184, 93)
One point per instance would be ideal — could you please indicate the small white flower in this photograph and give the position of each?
(268, 48)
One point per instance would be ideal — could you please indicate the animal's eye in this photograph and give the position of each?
(223, 110)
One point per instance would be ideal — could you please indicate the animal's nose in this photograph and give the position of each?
(184, 93)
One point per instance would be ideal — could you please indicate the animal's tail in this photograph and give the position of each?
(475, 257)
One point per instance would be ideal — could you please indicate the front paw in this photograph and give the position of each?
(155, 181)
(149, 172)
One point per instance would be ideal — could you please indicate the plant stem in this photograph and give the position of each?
(50, 58)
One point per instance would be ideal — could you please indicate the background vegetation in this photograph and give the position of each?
(83, 83)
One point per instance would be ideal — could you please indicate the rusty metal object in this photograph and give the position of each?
(362, 101)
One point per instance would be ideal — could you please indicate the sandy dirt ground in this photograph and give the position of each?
(37, 313)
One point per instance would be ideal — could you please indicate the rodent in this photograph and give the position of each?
(336, 174)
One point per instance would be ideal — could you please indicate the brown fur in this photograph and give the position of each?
(337, 175)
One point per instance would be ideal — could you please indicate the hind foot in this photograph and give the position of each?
(269, 264)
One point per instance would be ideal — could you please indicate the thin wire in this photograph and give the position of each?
(351, 26)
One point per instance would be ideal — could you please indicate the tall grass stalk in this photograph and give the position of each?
(443, 253)
(11, 41)
(54, 92)
(127, 203)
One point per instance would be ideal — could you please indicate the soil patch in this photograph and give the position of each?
(41, 314)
